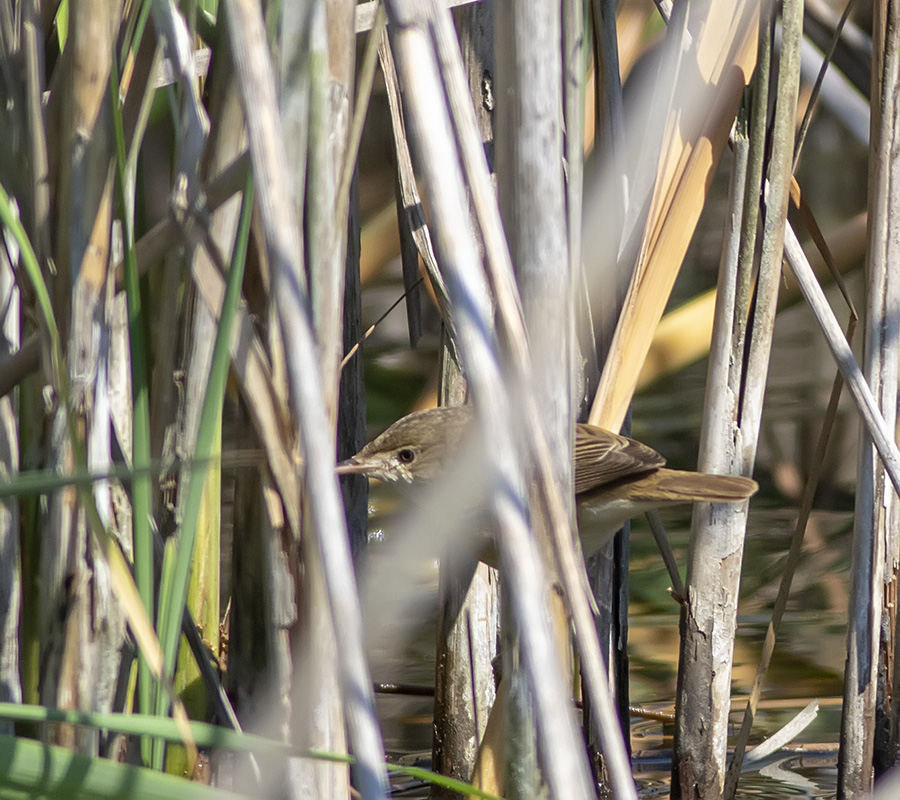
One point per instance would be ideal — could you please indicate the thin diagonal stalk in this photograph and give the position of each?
(817, 86)
(862, 395)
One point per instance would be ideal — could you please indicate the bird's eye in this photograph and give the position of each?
(407, 455)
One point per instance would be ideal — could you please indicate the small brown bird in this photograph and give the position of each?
(616, 478)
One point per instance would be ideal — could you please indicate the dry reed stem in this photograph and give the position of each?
(716, 529)
(728, 445)
(869, 673)
(840, 349)
(528, 144)
(410, 212)
(468, 594)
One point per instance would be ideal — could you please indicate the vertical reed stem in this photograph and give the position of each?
(875, 522)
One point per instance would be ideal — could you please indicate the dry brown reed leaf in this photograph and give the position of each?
(723, 54)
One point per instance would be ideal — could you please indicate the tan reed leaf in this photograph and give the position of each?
(722, 56)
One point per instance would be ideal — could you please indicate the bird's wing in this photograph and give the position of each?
(602, 457)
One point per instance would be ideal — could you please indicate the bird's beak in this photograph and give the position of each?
(351, 466)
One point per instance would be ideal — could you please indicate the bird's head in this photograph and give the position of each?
(414, 449)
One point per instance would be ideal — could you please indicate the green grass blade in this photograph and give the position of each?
(206, 735)
(33, 769)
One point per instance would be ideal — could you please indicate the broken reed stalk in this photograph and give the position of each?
(78, 669)
(776, 200)
(714, 567)
(717, 530)
(758, 116)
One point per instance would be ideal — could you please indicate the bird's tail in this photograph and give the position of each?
(684, 487)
